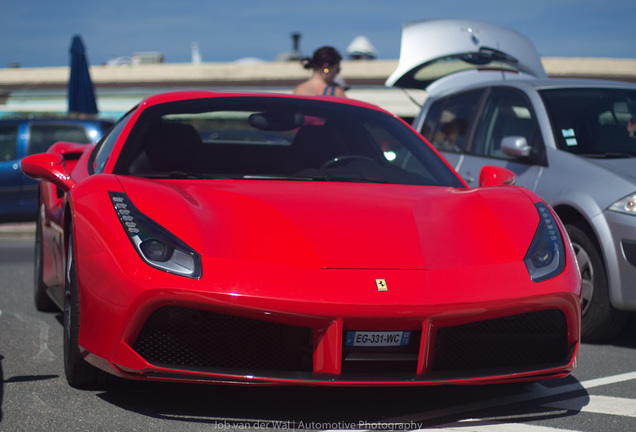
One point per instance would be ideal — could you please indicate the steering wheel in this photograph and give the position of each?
(344, 159)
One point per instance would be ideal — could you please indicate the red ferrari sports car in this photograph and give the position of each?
(275, 239)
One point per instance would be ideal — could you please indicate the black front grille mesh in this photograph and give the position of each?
(189, 338)
(184, 338)
(529, 339)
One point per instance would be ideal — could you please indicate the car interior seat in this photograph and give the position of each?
(316, 144)
(169, 147)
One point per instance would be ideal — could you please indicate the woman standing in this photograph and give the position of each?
(326, 66)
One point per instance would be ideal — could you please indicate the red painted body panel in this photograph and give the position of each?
(252, 268)
(293, 222)
(303, 254)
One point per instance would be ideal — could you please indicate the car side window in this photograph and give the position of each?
(507, 113)
(43, 136)
(8, 142)
(106, 144)
(593, 121)
(448, 122)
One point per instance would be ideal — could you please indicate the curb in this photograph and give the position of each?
(17, 231)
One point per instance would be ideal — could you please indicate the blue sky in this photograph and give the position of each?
(36, 33)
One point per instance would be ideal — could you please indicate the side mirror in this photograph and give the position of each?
(67, 149)
(47, 167)
(516, 147)
(496, 176)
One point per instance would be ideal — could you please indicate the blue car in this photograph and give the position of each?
(22, 137)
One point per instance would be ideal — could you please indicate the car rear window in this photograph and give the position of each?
(43, 136)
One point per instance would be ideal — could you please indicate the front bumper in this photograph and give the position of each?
(229, 327)
(186, 344)
(620, 251)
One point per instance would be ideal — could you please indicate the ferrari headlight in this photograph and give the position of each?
(546, 256)
(625, 205)
(154, 244)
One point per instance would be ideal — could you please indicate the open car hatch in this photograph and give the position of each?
(433, 49)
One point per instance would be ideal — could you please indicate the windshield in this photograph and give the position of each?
(595, 122)
(279, 139)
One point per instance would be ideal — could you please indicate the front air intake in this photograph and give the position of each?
(184, 338)
(530, 339)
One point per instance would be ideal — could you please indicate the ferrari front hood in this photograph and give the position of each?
(341, 225)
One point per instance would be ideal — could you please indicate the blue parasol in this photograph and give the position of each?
(81, 95)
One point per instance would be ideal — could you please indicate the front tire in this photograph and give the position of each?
(79, 373)
(600, 320)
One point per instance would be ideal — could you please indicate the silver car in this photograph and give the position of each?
(571, 141)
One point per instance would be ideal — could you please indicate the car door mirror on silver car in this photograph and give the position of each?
(516, 147)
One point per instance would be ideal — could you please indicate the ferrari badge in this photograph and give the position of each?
(381, 284)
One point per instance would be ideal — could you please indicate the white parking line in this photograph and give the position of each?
(44, 353)
(596, 404)
(599, 405)
(628, 376)
(494, 427)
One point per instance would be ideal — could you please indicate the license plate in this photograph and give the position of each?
(377, 338)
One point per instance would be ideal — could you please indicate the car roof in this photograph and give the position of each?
(476, 79)
(435, 48)
(189, 95)
(61, 120)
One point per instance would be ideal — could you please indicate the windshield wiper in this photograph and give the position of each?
(182, 175)
(348, 179)
(277, 177)
(609, 155)
(323, 178)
